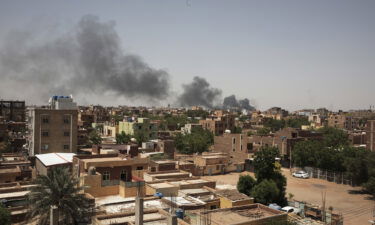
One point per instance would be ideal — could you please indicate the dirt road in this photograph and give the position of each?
(356, 208)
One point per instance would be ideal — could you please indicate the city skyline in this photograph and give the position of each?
(290, 54)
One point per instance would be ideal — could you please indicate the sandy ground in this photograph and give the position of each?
(356, 208)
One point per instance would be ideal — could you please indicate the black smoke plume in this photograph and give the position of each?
(231, 102)
(85, 60)
(199, 93)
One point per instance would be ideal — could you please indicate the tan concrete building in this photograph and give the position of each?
(370, 135)
(235, 145)
(52, 130)
(211, 163)
(342, 121)
(110, 174)
(218, 125)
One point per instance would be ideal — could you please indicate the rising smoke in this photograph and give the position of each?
(85, 60)
(199, 93)
(88, 62)
(231, 102)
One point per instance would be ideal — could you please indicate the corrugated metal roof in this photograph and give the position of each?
(51, 159)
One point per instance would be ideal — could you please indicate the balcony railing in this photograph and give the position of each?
(110, 182)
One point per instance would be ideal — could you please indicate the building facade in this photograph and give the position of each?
(52, 130)
(13, 110)
(370, 135)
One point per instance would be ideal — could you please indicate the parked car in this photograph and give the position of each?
(290, 209)
(274, 206)
(301, 174)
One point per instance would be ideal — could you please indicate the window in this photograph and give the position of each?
(66, 133)
(66, 120)
(241, 147)
(234, 140)
(45, 133)
(44, 147)
(66, 147)
(106, 175)
(217, 167)
(45, 120)
(123, 175)
(139, 167)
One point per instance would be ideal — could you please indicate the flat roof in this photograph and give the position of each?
(106, 159)
(10, 170)
(161, 185)
(233, 195)
(14, 194)
(51, 159)
(241, 214)
(214, 157)
(194, 191)
(154, 219)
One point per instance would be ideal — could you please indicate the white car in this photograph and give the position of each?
(301, 174)
(289, 209)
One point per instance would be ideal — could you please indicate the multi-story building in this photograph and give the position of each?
(189, 127)
(218, 125)
(53, 129)
(110, 174)
(235, 145)
(342, 121)
(370, 135)
(316, 120)
(276, 113)
(12, 110)
(284, 140)
(132, 126)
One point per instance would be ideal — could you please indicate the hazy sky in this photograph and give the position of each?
(294, 54)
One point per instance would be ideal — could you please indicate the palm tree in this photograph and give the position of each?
(59, 188)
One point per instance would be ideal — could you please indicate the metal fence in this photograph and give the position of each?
(327, 175)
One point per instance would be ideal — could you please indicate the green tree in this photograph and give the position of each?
(369, 186)
(297, 122)
(175, 122)
(197, 142)
(245, 184)
(59, 188)
(197, 113)
(5, 218)
(236, 130)
(334, 138)
(265, 192)
(264, 163)
(141, 136)
(264, 131)
(273, 124)
(304, 153)
(95, 138)
(355, 163)
(122, 138)
(266, 168)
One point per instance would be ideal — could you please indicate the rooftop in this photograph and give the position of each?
(233, 195)
(242, 214)
(51, 159)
